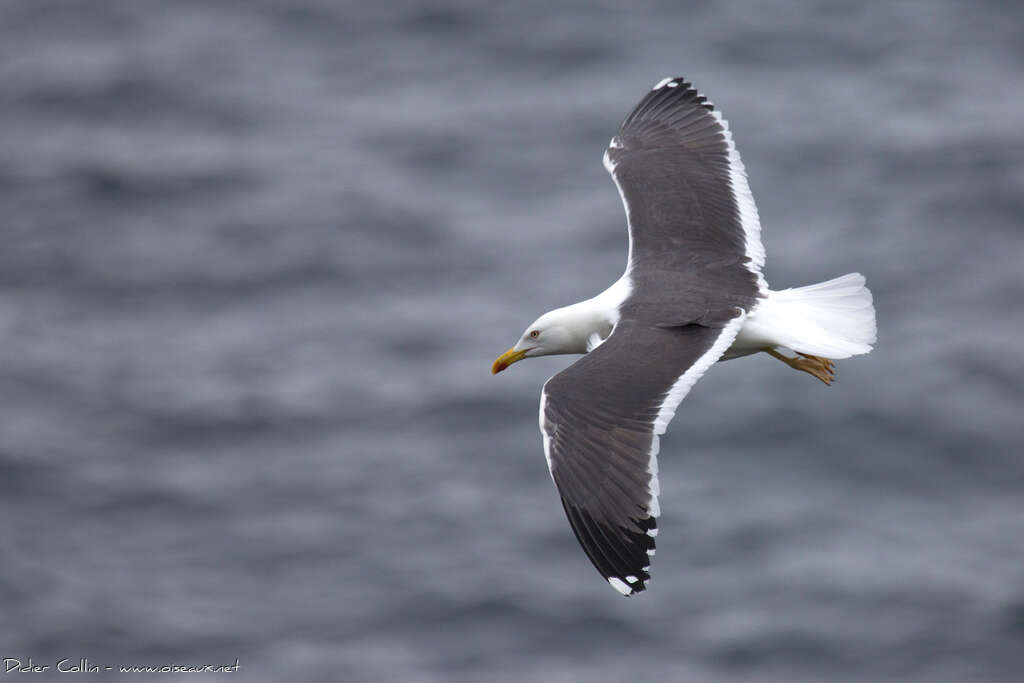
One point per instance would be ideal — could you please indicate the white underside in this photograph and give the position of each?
(833, 319)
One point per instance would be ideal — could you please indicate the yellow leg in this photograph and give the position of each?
(822, 368)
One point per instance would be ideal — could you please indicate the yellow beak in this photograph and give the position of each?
(506, 359)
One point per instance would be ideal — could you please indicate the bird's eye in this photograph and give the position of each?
(535, 334)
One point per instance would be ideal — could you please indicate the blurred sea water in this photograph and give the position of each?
(256, 259)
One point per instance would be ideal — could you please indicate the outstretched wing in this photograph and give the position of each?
(600, 419)
(695, 236)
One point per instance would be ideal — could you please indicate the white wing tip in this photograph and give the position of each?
(624, 587)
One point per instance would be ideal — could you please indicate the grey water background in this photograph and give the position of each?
(257, 258)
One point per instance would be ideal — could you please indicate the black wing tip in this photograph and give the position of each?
(667, 95)
(622, 557)
(681, 85)
(631, 584)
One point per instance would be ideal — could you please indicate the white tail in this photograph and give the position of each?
(833, 319)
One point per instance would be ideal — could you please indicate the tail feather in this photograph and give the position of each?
(832, 319)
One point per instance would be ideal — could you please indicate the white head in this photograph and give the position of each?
(563, 330)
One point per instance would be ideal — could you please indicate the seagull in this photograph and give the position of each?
(692, 294)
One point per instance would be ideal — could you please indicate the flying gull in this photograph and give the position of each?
(692, 294)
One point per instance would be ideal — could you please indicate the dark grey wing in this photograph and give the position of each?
(695, 245)
(600, 419)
